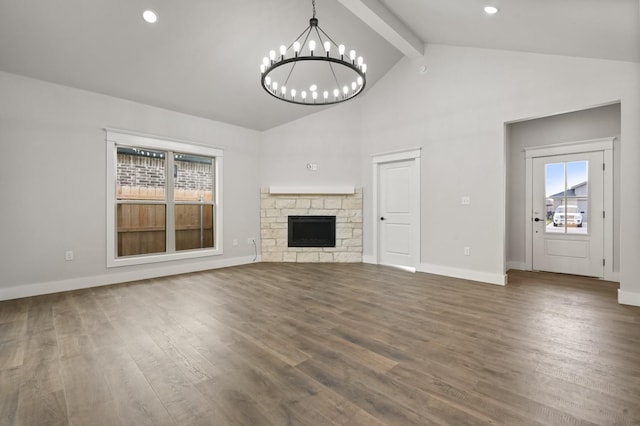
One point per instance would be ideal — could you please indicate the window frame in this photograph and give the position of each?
(115, 138)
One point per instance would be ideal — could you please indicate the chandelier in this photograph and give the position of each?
(324, 73)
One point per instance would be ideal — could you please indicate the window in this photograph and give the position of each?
(163, 199)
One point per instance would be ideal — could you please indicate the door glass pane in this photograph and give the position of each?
(140, 174)
(577, 215)
(141, 229)
(554, 196)
(577, 196)
(194, 226)
(193, 178)
(577, 179)
(567, 197)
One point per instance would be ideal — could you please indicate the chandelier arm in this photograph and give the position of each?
(334, 75)
(326, 35)
(330, 64)
(320, 39)
(301, 34)
(303, 43)
(289, 75)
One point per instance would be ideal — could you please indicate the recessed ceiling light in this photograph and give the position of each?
(149, 16)
(490, 10)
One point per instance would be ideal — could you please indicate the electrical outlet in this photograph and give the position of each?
(465, 201)
(250, 240)
(467, 251)
(235, 242)
(68, 255)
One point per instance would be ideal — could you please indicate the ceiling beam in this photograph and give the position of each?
(385, 23)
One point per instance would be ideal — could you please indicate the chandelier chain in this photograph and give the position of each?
(313, 4)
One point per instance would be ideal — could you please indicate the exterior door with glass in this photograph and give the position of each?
(568, 214)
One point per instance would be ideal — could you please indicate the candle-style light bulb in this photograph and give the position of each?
(360, 60)
(312, 46)
(304, 95)
(313, 88)
(345, 90)
(352, 55)
(263, 68)
(325, 94)
(296, 47)
(267, 81)
(314, 95)
(341, 50)
(327, 47)
(283, 89)
(293, 93)
(265, 61)
(364, 68)
(359, 80)
(336, 92)
(274, 86)
(272, 55)
(353, 86)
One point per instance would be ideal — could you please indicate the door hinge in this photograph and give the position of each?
(603, 262)
(603, 214)
(603, 166)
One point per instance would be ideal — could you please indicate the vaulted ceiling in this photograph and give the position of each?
(202, 56)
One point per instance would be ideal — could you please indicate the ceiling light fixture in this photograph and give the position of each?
(324, 69)
(150, 16)
(490, 10)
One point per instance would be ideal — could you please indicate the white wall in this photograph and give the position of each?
(52, 184)
(330, 138)
(576, 126)
(456, 112)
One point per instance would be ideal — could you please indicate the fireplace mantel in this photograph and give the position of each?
(312, 190)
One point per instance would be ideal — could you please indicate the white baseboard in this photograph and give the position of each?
(369, 259)
(466, 274)
(628, 298)
(514, 264)
(49, 287)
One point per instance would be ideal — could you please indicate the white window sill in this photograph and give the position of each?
(161, 257)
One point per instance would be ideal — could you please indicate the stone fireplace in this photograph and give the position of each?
(278, 203)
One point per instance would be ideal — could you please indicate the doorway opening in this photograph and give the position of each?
(560, 131)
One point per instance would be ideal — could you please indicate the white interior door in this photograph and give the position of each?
(568, 210)
(399, 202)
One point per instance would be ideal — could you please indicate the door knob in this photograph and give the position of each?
(382, 218)
(537, 219)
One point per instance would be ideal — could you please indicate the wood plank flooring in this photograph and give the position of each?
(322, 344)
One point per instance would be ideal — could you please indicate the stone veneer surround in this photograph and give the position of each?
(274, 212)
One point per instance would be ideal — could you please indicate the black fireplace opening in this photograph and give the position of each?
(312, 231)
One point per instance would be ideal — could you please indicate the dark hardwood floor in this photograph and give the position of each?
(322, 344)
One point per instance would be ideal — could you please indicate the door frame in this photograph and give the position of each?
(606, 146)
(392, 157)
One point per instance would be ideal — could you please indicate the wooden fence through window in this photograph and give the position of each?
(142, 227)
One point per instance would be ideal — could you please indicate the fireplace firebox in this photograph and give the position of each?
(312, 231)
